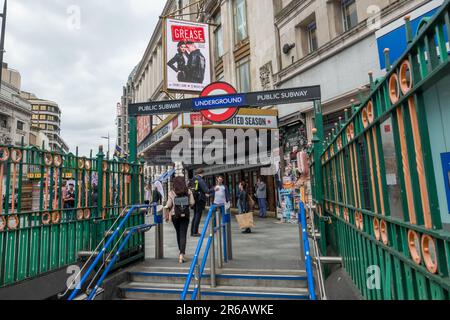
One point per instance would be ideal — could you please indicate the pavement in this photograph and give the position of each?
(271, 245)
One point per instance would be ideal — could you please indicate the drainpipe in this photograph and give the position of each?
(278, 49)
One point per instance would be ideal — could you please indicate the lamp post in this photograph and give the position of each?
(107, 138)
(2, 39)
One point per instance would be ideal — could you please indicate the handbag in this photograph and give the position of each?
(245, 220)
(251, 202)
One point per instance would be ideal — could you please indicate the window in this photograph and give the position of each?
(35, 107)
(240, 20)
(42, 126)
(20, 125)
(243, 76)
(43, 108)
(349, 14)
(218, 38)
(35, 116)
(312, 36)
(42, 117)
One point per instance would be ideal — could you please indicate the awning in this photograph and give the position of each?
(156, 148)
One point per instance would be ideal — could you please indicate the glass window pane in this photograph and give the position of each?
(240, 20)
(349, 14)
(243, 74)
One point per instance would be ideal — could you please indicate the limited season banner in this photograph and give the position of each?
(187, 55)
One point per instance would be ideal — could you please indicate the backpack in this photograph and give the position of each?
(181, 205)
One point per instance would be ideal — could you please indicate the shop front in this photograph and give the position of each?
(157, 149)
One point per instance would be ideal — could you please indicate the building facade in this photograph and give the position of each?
(335, 44)
(47, 118)
(261, 45)
(15, 112)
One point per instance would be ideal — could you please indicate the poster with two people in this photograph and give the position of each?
(187, 55)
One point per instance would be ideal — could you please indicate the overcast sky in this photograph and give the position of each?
(79, 54)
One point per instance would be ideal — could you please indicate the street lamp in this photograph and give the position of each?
(107, 138)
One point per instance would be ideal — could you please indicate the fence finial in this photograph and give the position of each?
(409, 33)
(387, 59)
(372, 83)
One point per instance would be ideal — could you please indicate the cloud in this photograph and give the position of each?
(79, 54)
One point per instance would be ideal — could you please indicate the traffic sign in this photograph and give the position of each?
(216, 111)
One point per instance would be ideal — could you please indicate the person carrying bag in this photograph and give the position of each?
(179, 202)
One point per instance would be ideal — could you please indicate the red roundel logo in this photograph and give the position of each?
(218, 115)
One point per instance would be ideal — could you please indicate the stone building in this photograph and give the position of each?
(15, 112)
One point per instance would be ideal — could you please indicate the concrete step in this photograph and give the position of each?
(224, 279)
(185, 269)
(160, 291)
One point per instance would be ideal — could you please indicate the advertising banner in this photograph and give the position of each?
(188, 66)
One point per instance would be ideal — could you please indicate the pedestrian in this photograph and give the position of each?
(201, 193)
(157, 193)
(243, 202)
(179, 201)
(147, 194)
(69, 201)
(221, 194)
(69, 197)
(261, 195)
(94, 195)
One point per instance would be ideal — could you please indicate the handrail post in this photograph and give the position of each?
(229, 241)
(309, 271)
(219, 236)
(198, 281)
(159, 235)
(225, 241)
(213, 253)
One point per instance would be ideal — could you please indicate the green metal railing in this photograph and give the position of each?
(374, 180)
(38, 232)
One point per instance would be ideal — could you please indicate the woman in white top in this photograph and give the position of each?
(220, 192)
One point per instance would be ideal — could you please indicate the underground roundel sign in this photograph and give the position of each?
(217, 109)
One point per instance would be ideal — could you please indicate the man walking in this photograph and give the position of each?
(196, 65)
(200, 196)
(261, 194)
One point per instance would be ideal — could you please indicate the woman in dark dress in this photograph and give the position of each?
(179, 61)
(243, 202)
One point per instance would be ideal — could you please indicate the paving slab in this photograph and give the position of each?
(271, 245)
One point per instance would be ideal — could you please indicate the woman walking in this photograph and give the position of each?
(179, 202)
(243, 202)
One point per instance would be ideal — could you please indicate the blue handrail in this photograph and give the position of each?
(309, 272)
(105, 246)
(130, 233)
(197, 252)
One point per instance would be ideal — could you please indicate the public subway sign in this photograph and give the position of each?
(237, 100)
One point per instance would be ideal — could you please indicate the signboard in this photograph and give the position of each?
(144, 127)
(393, 35)
(157, 136)
(160, 107)
(215, 108)
(216, 104)
(37, 175)
(188, 63)
(445, 157)
(240, 120)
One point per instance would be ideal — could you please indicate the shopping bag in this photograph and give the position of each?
(245, 220)
(251, 203)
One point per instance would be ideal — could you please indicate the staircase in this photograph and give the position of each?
(163, 283)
